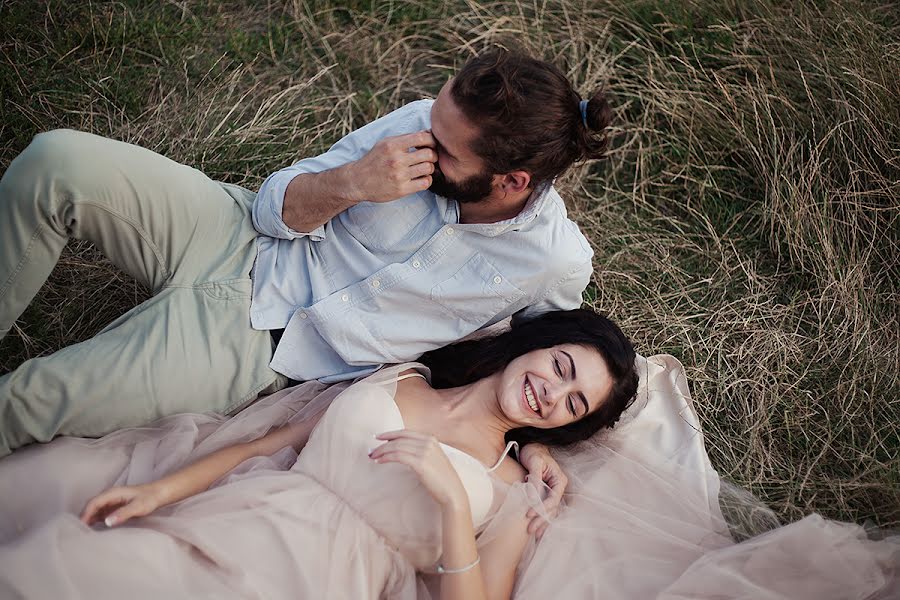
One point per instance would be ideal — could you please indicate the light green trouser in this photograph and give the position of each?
(189, 239)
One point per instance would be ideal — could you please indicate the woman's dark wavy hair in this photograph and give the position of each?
(467, 362)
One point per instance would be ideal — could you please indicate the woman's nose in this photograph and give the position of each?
(554, 392)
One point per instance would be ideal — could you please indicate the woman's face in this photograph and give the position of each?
(553, 387)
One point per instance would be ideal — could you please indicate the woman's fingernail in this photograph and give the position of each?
(110, 521)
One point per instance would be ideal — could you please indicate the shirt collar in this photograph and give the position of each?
(529, 212)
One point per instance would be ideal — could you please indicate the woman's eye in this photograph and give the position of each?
(556, 367)
(572, 407)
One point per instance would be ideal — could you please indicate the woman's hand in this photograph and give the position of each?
(424, 455)
(117, 505)
(536, 458)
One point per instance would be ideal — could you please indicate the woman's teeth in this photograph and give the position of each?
(529, 397)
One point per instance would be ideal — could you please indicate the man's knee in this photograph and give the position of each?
(14, 418)
(53, 155)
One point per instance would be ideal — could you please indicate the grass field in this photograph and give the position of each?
(747, 219)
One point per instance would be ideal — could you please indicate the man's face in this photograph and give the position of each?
(459, 173)
(473, 189)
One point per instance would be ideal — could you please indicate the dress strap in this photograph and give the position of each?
(408, 375)
(505, 452)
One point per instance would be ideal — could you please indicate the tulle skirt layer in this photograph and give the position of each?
(276, 535)
(639, 532)
(646, 516)
(264, 531)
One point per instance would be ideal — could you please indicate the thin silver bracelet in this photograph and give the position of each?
(442, 571)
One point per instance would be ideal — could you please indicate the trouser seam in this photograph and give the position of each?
(145, 237)
(248, 398)
(207, 284)
(15, 273)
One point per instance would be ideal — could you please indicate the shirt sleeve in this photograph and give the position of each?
(269, 200)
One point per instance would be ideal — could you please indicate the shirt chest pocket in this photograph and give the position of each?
(384, 225)
(477, 292)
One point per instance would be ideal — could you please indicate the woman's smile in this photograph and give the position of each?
(529, 396)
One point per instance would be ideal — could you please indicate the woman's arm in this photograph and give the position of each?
(466, 575)
(198, 476)
(499, 558)
(459, 552)
(118, 504)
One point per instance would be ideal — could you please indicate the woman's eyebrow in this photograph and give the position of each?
(587, 407)
(571, 362)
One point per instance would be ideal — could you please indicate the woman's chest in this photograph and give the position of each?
(338, 455)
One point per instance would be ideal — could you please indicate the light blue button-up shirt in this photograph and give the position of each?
(385, 282)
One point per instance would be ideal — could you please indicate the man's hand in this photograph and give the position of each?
(536, 458)
(395, 167)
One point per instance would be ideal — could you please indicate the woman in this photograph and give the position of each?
(395, 478)
(644, 515)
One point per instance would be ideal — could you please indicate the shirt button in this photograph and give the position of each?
(449, 231)
(376, 283)
(416, 264)
(304, 316)
(345, 297)
(497, 279)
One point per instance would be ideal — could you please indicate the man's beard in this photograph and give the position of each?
(474, 189)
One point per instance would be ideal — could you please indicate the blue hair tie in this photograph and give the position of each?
(583, 106)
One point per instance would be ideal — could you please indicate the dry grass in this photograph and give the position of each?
(746, 219)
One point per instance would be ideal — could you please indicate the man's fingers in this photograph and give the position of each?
(422, 156)
(418, 139)
(420, 183)
(421, 169)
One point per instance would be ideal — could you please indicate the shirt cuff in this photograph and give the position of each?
(267, 209)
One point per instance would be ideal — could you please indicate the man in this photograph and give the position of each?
(412, 232)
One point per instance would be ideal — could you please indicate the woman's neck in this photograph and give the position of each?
(471, 416)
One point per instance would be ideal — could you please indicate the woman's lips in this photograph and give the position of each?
(526, 384)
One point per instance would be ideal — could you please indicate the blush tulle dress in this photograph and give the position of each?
(645, 516)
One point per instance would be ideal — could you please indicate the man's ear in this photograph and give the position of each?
(516, 182)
